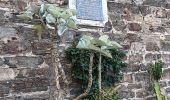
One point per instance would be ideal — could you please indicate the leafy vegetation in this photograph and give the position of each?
(111, 66)
(56, 18)
(155, 71)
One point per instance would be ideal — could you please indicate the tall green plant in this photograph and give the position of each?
(155, 71)
(60, 19)
(110, 70)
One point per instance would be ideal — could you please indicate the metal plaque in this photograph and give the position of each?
(89, 10)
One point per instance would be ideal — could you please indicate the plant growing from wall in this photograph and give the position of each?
(155, 71)
(112, 61)
(59, 19)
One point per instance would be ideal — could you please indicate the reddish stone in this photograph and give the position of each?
(134, 27)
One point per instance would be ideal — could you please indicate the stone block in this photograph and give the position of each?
(166, 58)
(142, 93)
(37, 72)
(42, 47)
(132, 37)
(128, 78)
(144, 76)
(134, 59)
(134, 86)
(166, 74)
(118, 25)
(157, 3)
(165, 46)
(144, 9)
(23, 61)
(152, 46)
(7, 74)
(150, 57)
(30, 84)
(134, 27)
(125, 93)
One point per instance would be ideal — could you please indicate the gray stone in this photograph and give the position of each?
(125, 93)
(142, 94)
(118, 25)
(6, 32)
(139, 77)
(165, 46)
(23, 61)
(7, 74)
(152, 46)
(157, 3)
(166, 58)
(133, 37)
(134, 86)
(138, 58)
(150, 57)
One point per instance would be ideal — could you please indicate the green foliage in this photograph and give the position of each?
(111, 67)
(53, 15)
(100, 45)
(155, 70)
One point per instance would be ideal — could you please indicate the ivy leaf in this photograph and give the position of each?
(109, 43)
(71, 24)
(66, 14)
(55, 11)
(86, 43)
(61, 29)
(50, 19)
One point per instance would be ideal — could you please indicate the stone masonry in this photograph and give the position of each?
(142, 27)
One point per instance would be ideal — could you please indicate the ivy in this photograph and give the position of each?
(111, 68)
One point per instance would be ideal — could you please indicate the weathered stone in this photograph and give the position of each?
(138, 58)
(134, 27)
(144, 67)
(134, 86)
(133, 38)
(168, 13)
(1, 62)
(162, 84)
(166, 74)
(139, 77)
(137, 48)
(3, 91)
(144, 10)
(161, 13)
(124, 92)
(41, 47)
(142, 94)
(7, 74)
(166, 58)
(128, 78)
(150, 57)
(38, 72)
(118, 25)
(152, 46)
(151, 98)
(30, 85)
(23, 61)
(165, 46)
(157, 3)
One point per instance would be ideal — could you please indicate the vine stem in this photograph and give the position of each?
(99, 76)
(90, 79)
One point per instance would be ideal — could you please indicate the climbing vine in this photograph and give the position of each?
(110, 70)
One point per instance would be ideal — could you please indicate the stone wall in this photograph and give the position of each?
(141, 26)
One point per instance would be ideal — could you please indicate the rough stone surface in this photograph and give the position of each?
(142, 27)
